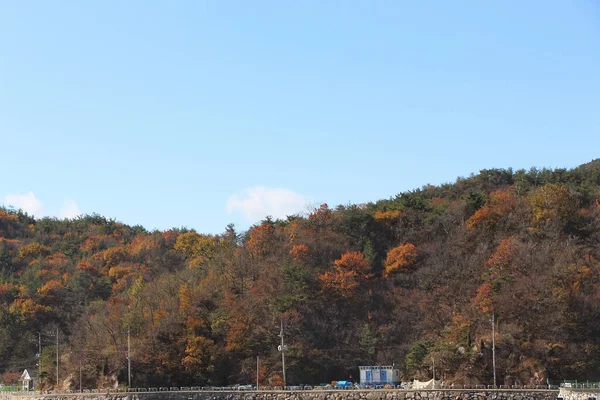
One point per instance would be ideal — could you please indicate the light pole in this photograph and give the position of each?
(493, 321)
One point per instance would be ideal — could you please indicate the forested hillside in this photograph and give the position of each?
(408, 280)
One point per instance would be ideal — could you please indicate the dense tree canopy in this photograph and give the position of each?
(402, 281)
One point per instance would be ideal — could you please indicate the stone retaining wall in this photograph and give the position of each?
(578, 394)
(308, 395)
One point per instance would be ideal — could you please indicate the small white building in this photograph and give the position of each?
(379, 375)
(27, 381)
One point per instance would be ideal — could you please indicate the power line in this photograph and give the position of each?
(7, 363)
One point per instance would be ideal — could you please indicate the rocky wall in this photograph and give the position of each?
(306, 395)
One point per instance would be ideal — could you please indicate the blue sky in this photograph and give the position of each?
(198, 114)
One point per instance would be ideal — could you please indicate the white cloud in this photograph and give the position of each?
(69, 210)
(26, 202)
(33, 206)
(258, 202)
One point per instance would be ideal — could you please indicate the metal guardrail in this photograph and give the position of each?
(576, 385)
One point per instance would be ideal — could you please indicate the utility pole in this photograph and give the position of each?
(257, 368)
(57, 358)
(282, 348)
(433, 365)
(128, 359)
(39, 357)
(494, 346)
(80, 387)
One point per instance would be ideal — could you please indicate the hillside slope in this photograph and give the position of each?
(408, 280)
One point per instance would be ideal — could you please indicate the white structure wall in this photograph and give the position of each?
(379, 375)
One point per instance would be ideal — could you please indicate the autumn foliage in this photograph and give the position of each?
(404, 280)
(347, 273)
(501, 202)
(299, 252)
(402, 258)
(484, 299)
(388, 217)
(499, 262)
